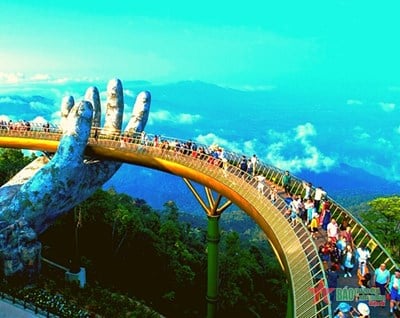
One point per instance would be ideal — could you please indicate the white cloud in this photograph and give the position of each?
(361, 133)
(128, 92)
(4, 118)
(387, 107)
(40, 77)
(212, 139)
(11, 78)
(354, 102)
(39, 120)
(166, 116)
(294, 151)
(386, 144)
(303, 131)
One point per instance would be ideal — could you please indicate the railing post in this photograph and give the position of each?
(213, 237)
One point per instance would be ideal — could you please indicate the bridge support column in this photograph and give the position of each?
(213, 237)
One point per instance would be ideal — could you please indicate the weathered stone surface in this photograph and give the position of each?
(114, 107)
(92, 95)
(32, 200)
(140, 113)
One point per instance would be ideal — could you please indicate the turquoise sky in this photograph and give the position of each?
(247, 44)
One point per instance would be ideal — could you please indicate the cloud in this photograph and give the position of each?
(8, 100)
(387, 107)
(303, 131)
(40, 77)
(11, 78)
(166, 116)
(4, 118)
(212, 139)
(354, 102)
(294, 151)
(360, 133)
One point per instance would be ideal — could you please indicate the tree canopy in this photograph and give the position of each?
(382, 218)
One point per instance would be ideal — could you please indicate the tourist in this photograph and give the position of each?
(363, 275)
(332, 230)
(286, 181)
(381, 278)
(394, 290)
(348, 261)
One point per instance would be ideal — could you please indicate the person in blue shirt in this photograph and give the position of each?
(381, 278)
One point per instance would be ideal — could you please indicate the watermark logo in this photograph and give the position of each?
(348, 294)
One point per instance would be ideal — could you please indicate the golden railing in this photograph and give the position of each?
(294, 247)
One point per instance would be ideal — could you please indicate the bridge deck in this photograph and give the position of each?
(293, 246)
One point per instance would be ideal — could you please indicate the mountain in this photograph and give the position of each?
(345, 140)
(346, 185)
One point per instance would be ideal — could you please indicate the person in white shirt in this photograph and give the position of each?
(253, 162)
(332, 230)
(318, 196)
(363, 254)
(260, 183)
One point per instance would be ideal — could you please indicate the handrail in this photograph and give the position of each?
(273, 174)
(378, 252)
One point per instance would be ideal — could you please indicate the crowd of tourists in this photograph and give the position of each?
(338, 251)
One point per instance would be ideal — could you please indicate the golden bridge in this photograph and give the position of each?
(294, 247)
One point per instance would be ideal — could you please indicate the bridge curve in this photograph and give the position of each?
(293, 246)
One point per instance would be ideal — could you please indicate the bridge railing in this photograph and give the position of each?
(302, 260)
(305, 267)
(360, 234)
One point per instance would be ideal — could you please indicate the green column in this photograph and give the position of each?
(212, 259)
(290, 308)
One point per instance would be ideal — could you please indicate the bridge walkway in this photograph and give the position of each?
(295, 249)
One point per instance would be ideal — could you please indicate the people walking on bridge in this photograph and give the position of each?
(332, 278)
(332, 230)
(381, 278)
(319, 195)
(243, 166)
(362, 254)
(314, 226)
(254, 161)
(348, 261)
(260, 183)
(394, 285)
(273, 194)
(96, 134)
(363, 275)
(310, 209)
(286, 182)
(307, 188)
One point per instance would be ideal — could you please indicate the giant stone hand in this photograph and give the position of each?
(45, 189)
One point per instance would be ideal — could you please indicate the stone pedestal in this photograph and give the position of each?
(79, 277)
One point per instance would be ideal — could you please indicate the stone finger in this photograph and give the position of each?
(140, 113)
(114, 108)
(66, 105)
(92, 95)
(76, 134)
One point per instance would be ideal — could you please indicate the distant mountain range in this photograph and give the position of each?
(346, 185)
(341, 139)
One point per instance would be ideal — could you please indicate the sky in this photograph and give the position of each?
(306, 85)
(248, 45)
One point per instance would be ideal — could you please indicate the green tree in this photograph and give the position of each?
(11, 162)
(383, 220)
